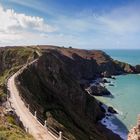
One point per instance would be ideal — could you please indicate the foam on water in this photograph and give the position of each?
(109, 124)
(126, 94)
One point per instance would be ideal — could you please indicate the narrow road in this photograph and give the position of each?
(38, 131)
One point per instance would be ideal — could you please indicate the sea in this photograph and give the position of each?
(126, 95)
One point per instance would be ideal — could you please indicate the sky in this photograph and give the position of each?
(88, 24)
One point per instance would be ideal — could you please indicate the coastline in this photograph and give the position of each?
(110, 121)
(107, 121)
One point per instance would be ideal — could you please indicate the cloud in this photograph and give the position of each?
(118, 28)
(19, 28)
(16, 22)
(37, 5)
(119, 21)
(122, 20)
(22, 38)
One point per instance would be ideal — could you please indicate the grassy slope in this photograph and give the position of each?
(11, 59)
(9, 129)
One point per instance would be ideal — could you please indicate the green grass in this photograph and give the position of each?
(12, 132)
(13, 59)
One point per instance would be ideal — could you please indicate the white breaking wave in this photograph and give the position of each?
(108, 123)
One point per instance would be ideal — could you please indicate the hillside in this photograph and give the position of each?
(11, 59)
(54, 86)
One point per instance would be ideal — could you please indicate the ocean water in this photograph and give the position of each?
(126, 93)
(130, 56)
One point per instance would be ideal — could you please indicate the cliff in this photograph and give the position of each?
(54, 85)
(134, 133)
(137, 68)
(88, 64)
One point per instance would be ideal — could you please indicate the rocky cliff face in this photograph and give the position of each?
(134, 133)
(53, 85)
(85, 64)
(137, 68)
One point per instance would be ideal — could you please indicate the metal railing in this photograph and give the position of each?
(33, 109)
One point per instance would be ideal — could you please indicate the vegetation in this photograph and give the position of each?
(11, 59)
(10, 131)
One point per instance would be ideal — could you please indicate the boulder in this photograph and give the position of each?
(111, 110)
(137, 68)
(99, 90)
(105, 81)
(111, 85)
(112, 77)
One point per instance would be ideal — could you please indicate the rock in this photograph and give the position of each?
(105, 81)
(111, 85)
(134, 133)
(84, 84)
(137, 68)
(112, 77)
(64, 98)
(106, 74)
(99, 90)
(108, 114)
(111, 110)
(107, 118)
(52, 85)
(102, 108)
(124, 67)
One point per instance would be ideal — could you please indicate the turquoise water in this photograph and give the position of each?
(129, 56)
(126, 91)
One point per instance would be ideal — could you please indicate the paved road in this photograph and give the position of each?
(38, 131)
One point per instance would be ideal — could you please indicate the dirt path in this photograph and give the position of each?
(38, 131)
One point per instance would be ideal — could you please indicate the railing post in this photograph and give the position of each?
(27, 129)
(35, 114)
(45, 123)
(60, 135)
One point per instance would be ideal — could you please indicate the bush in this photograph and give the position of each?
(11, 120)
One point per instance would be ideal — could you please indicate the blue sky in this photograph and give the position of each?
(89, 24)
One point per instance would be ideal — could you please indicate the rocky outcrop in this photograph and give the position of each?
(111, 110)
(89, 64)
(134, 133)
(98, 90)
(53, 85)
(137, 68)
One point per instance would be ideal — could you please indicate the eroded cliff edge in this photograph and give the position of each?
(134, 133)
(54, 84)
